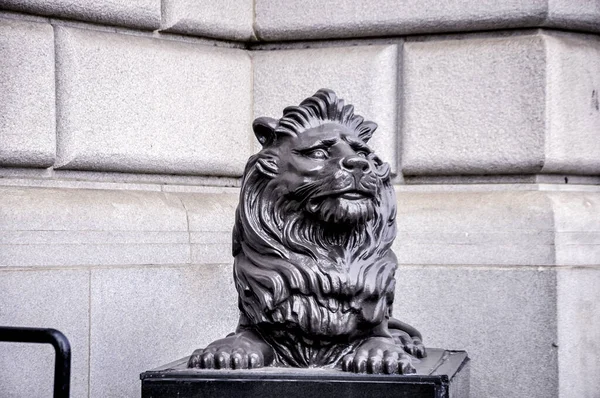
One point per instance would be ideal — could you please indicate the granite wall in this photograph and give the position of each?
(125, 126)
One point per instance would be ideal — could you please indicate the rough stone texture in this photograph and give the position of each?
(493, 182)
(27, 118)
(504, 318)
(577, 228)
(364, 76)
(111, 120)
(211, 218)
(574, 14)
(579, 332)
(66, 227)
(573, 104)
(133, 13)
(474, 105)
(226, 19)
(49, 299)
(508, 228)
(314, 19)
(502, 105)
(146, 317)
(499, 228)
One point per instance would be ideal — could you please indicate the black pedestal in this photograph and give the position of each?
(443, 374)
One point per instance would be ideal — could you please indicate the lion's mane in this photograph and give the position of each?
(293, 272)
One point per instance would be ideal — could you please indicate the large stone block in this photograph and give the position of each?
(48, 299)
(129, 103)
(510, 228)
(27, 116)
(229, 19)
(474, 105)
(314, 19)
(574, 14)
(67, 227)
(576, 228)
(505, 318)
(579, 331)
(572, 103)
(529, 332)
(144, 14)
(364, 76)
(479, 228)
(211, 217)
(144, 317)
(513, 104)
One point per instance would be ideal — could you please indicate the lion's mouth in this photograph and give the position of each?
(342, 205)
(352, 194)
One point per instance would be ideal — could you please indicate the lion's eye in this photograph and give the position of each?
(362, 154)
(318, 154)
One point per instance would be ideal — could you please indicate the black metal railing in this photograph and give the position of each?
(62, 363)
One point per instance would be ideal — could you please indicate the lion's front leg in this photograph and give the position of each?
(378, 355)
(244, 349)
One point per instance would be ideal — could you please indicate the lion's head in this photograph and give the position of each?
(315, 223)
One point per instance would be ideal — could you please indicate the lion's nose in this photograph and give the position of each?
(355, 163)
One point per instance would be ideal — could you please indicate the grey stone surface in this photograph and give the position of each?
(573, 103)
(365, 76)
(478, 228)
(504, 318)
(474, 105)
(556, 181)
(164, 181)
(574, 14)
(67, 227)
(576, 228)
(499, 187)
(517, 104)
(136, 182)
(27, 112)
(138, 104)
(314, 19)
(509, 227)
(145, 317)
(49, 299)
(144, 14)
(226, 19)
(211, 217)
(579, 332)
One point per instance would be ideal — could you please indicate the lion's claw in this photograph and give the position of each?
(415, 347)
(412, 345)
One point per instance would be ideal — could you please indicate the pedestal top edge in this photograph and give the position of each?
(439, 365)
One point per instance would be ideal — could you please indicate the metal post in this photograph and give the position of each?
(62, 363)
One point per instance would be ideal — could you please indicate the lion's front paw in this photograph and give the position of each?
(225, 357)
(243, 350)
(378, 356)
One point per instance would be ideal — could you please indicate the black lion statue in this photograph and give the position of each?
(313, 267)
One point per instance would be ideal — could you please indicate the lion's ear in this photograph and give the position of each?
(267, 166)
(264, 129)
(366, 130)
